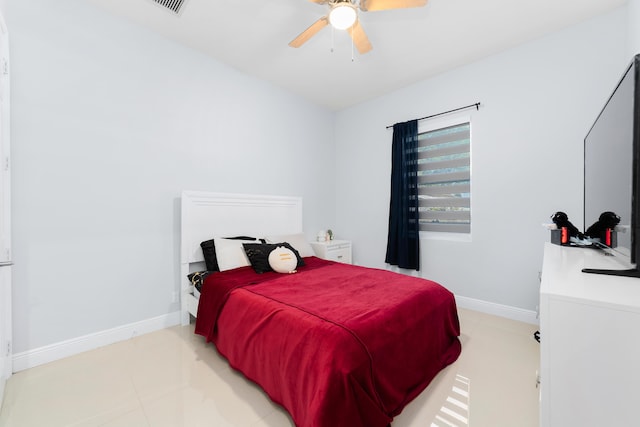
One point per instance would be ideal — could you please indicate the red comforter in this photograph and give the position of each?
(335, 344)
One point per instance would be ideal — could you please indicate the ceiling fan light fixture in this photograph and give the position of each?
(343, 16)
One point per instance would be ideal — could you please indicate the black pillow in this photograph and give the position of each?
(258, 254)
(197, 278)
(209, 251)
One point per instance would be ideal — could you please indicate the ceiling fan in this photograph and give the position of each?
(343, 15)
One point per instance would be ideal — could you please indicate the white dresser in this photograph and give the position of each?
(334, 250)
(590, 341)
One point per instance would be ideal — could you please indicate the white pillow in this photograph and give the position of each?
(230, 253)
(283, 260)
(298, 241)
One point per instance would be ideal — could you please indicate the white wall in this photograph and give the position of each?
(109, 123)
(538, 102)
(633, 44)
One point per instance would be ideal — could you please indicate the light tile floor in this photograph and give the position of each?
(172, 378)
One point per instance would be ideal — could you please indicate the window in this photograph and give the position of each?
(444, 177)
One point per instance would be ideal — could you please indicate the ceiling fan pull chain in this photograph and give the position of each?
(352, 45)
(332, 37)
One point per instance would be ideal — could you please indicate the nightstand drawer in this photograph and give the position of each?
(340, 254)
(333, 250)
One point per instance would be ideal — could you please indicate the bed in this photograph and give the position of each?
(335, 344)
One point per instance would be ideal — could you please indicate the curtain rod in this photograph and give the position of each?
(477, 105)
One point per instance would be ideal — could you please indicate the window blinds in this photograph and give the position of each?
(444, 179)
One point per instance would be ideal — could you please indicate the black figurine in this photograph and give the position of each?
(560, 219)
(607, 220)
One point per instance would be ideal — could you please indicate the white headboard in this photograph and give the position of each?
(207, 215)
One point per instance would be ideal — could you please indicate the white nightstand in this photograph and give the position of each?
(334, 250)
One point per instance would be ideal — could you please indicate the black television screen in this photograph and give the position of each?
(611, 165)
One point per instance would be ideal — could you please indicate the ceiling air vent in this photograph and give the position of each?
(173, 5)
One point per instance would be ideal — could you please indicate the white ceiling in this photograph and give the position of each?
(409, 45)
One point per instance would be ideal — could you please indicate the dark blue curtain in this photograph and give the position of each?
(403, 242)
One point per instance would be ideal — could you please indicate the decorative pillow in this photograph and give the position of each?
(230, 253)
(295, 252)
(209, 251)
(298, 241)
(258, 254)
(197, 278)
(283, 260)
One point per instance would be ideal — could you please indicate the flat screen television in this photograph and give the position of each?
(612, 169)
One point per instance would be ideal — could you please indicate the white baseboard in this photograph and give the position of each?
(513, 313)
(39, 356)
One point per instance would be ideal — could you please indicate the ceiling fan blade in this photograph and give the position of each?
(360, 39)
(309, 32)
(372, 5)
(319, 1)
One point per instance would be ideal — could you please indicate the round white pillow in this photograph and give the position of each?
(283, 260)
